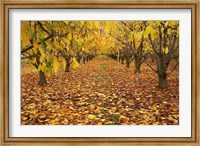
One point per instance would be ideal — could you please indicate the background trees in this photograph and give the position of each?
(52, 45)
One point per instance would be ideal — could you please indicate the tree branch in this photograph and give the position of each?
(143, 60)
(41, 26)
(173, 69)
(30, 56)
(152, 44)
(47, 38)
(126, 25)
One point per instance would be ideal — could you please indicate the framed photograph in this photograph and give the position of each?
(105, 72)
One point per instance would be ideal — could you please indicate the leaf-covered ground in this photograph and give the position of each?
(101, 92)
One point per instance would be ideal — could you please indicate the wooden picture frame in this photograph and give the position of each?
(183, 4)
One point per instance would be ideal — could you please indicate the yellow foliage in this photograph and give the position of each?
(69, 36)
(107, 27)
(63, 62)
(33, 60)
(96, 24)
(75, 63)
(56, 64)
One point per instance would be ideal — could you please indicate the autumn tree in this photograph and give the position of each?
(163, 37)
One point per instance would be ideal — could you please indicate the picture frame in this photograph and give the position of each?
(111, 4)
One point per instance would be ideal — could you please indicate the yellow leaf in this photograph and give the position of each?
(69, 36)
(154, 107)
(75, 63)
(169, 31)
(107, 27)
(40, 121)
(146, 35)
(123, 117)
(92, 107)
(35, 50)
(41, 59)
(99, 123)
(96, 24)
(43, 66)
(56, 64)
(47, 102)
(166, 50)
(89, 24)
(158, 23)
(35, 44)
(150, 30)
(41, 52)
(32, 67)
(39, 67)
(91, 117)
(63, 62)
(33, 60)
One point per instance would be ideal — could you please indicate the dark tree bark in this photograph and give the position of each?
(83, 59)
(122, 60)
(162, 80)
(127, 62)
(137, 64)
(78, 58)
(42, 79)
(162, 76)
(68, 62)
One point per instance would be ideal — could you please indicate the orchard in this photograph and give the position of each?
(100, 72)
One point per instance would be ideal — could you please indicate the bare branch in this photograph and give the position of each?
(173, 69)
(152, 44)
(143, 60)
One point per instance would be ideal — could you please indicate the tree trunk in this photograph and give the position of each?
(42, 80)
(67, 67)
(162, 80)
(122, 60)
(83, 59)
(78, 58)
(137, 64)
(68, 63)
(162, 76)
(127, 62)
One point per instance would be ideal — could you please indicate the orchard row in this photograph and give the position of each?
(52, 45)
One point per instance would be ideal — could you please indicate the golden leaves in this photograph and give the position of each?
(151, 31)
(165, 50)
(107, 27)
(75, 64)
(63, 62)
(76, 101)
(33, 60)
(97, 95)
(56, 64)
(96, 24)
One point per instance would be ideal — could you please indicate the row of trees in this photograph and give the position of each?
(51, 45)
(140, 40)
